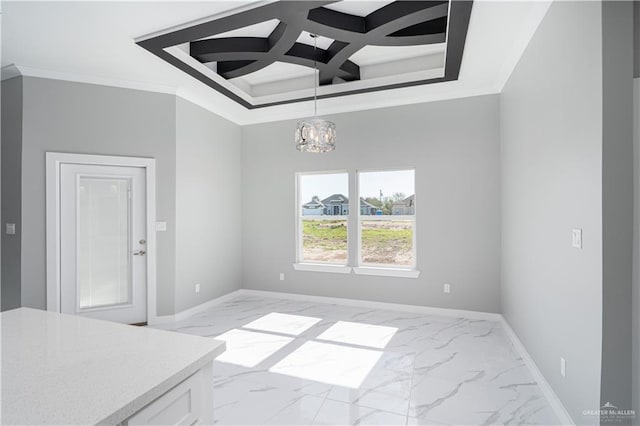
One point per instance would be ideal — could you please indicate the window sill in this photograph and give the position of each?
(360, 270)
(387, 272)
(316, 267)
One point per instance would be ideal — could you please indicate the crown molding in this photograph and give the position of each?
(10, 71)
(359, 102)
(14, 70)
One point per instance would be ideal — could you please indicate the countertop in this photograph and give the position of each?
(65, 369)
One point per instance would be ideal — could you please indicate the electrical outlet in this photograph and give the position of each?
(563, 367)
(576, 238)
(10, 228)
(197, 288)
(447, 288)
(281, 276)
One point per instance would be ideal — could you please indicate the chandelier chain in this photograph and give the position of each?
(315, 75)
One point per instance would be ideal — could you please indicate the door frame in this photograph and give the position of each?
(54, 161)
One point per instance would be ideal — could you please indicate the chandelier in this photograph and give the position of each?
(315, 135)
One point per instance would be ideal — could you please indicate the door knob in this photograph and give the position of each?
(139, 253)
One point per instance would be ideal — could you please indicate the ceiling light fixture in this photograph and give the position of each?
(315, 135)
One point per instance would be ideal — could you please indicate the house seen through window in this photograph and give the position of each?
(323, 217)
(385, 217)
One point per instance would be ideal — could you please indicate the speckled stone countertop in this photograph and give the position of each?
(65, 369)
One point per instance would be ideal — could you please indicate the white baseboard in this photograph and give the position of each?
(427, 310)
(161, 319)
(195, 309)
(555, 403)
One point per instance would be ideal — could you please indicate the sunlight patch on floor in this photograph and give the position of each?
(327, 363)
(353, 333)
(250, 348)
(276, 322)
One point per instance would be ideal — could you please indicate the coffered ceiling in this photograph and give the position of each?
(252, 61)
(268, 54)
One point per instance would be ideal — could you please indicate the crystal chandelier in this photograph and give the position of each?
(315, 135)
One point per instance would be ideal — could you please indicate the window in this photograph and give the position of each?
(386, 221)
(382, 216)
(323, 208)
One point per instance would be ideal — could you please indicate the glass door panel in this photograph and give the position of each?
(104, 241)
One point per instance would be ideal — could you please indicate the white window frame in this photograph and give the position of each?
(353, 220)
(408, 271)
(300, 264)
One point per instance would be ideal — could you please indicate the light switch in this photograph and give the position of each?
(161, 226)
(576, 238)
(10, 229)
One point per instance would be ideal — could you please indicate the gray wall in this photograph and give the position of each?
(11, 187)
(454, 147)
(636, 38)
(208, 205)
(636, 252)
(551, 128)
(83, 118)
(617, 203)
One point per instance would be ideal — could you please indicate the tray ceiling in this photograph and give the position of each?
(94, 42)
(264, 56)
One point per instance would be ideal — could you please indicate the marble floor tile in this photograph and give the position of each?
(396, 361)
(340, 413)
(302, 412)
(371, 398)
(457, 402)
(259, 405)
(300, 363)
(283, 323)
(354, 333)
(282, 381)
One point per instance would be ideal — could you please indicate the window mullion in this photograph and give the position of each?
(353, 236)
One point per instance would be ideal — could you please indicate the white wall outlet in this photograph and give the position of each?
(447, 288)
(563, 367)
(576, 238)
(10, 229)
(197, 288)
(161, 226)
(281, 276)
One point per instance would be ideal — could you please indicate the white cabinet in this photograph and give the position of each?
(190, 402)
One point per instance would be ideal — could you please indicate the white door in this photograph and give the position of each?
(103, 263)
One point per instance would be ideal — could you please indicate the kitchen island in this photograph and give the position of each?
(64, 369)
